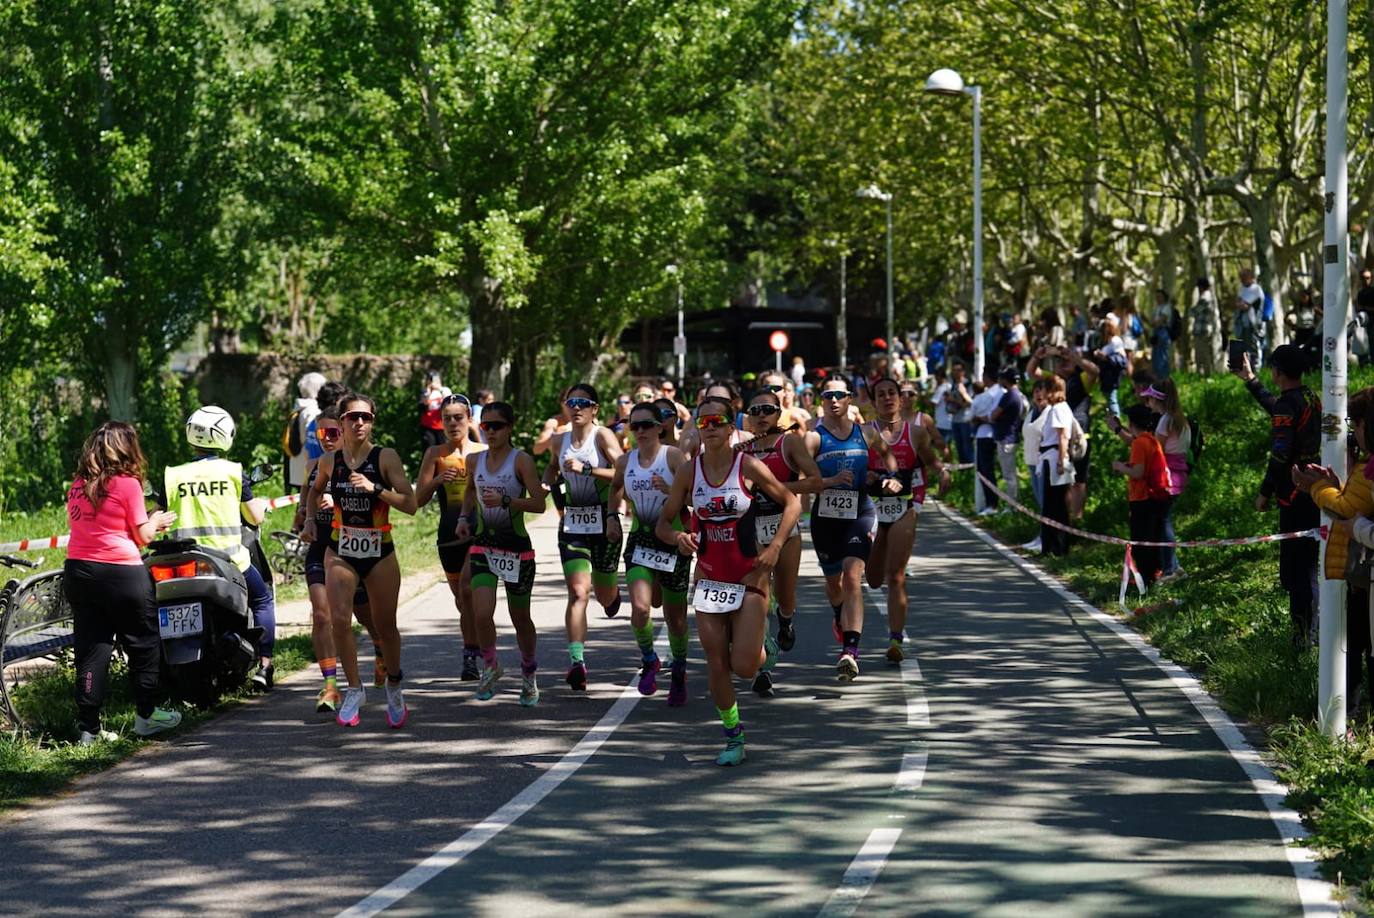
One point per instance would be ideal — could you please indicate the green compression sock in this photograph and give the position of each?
(729, 717)
(678, 644)
(644, 637)
(575, 651)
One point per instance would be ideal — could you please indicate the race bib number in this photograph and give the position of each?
(766, 527)
(918, 477)
(838, 505)
(654, 559)
(890, 509)
(504, 564)
(714, 596)
(583, 520)
(356, 542)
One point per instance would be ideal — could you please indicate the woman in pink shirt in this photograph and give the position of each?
(110, 591)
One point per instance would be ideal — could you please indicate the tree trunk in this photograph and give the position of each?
(121, 374)
(1261, 227)
(489, 364)
(1202, 267)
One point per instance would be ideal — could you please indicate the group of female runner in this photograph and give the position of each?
(726, 493)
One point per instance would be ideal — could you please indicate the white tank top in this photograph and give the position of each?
(583, 490)
(729, 500)
(504, 481)
(648, 500)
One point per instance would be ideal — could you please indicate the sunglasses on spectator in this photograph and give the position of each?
(578, 403)
(365, 417)
(493, 426)
(763, 411)
(834, 395)
(712, 422)
(645, 425)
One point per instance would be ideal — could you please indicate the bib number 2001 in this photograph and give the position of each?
(360, 543)
(714, 596)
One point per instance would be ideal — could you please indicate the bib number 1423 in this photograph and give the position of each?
(839, 505)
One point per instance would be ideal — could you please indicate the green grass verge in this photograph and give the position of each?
(1228, 620)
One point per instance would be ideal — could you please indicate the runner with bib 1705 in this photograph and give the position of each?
(731, 591)
(844, 519)
(644, 476)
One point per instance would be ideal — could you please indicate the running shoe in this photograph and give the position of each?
(614, 608)
(262, 679)
(396, 710)
(835, 630)
(100, 736)
(378, 672)
(471, 672)
(733, 754)
(1033, 545)
(894, 652)
(763, 684)
(328, 699)
(161, 719)
(486, 688)
(787, 632)
(349, 715)
(847, 669)
(648, 676)
(770, 653)
(529, 691)
(677, 686)
(577, 676)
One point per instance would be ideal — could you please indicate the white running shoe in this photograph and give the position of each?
(486, 686)
(529, 691)
(396, 710)
(1032, 545)
(847, 669)
(102, 736)
(161, 719)
(348, 715)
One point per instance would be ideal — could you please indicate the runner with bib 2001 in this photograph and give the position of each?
(589, 534)
(785, 455)
(731, 591)
(445, 470)
(911, 447)
(844, 519)
(644, 476)
(366, 482)
(505, 486)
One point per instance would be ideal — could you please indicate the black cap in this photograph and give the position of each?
(1141, 417)
(1291, 360)
(1009, 373)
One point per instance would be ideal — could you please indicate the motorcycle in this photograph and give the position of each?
(209, 638)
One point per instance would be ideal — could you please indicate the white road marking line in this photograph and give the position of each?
(1317, 895)
(862, 872)
(917, 705)
(913, 773)
(517, 806)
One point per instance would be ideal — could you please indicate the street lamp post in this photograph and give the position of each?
(948, 83)
(680, 342)
(842, 331)
(873, 192)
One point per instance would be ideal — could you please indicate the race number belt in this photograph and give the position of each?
(504, 564)
(838, 504)
(891, 508)
(766, 527)
(717, 597)
(655, 559)
(359, 542)
(583, 520)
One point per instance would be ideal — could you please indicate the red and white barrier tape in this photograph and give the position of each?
(1128, 568)
(60, 541)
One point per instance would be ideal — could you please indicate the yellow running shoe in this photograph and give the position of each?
(328, 700)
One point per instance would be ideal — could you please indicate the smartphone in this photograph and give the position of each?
(1235, 353)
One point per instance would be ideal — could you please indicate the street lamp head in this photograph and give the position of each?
(873, 192)
(945, 82)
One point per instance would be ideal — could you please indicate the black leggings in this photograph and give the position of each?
(109, 602)
(1054, 541)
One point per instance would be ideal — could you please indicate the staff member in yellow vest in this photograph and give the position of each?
(212, 498)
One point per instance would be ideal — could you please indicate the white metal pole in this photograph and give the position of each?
(891, 342)
(1331, 687)
(978, 355)
(682, 336)
(843, 336)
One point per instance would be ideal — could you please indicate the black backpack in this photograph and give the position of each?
(1175, 323)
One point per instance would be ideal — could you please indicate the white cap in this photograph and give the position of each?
(309, 384)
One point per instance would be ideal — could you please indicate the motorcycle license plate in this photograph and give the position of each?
(838, 505)
(714, 596)
(890, 509)
(355, 542)
(766, 527)
(583, 520)
(654, 559)
(182, 620)
(504, 564)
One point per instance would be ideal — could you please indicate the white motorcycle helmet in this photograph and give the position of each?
(210, 427)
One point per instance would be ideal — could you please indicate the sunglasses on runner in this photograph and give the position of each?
(645, 425)
(328, 433)
(775, 389)
(642, 397)
(834, 395)
(360, 417)
(712, 422)
(578, 403)
(763, 411)
(493, 426)
(455, 399)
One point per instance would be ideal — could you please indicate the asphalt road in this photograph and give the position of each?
(1025, 759)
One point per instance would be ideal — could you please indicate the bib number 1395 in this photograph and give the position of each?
(714, 596)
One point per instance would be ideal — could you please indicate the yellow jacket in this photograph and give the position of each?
(1354, 499)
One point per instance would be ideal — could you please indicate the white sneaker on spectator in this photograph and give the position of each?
(988, 511)
(90, 739)
(1032, 545)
